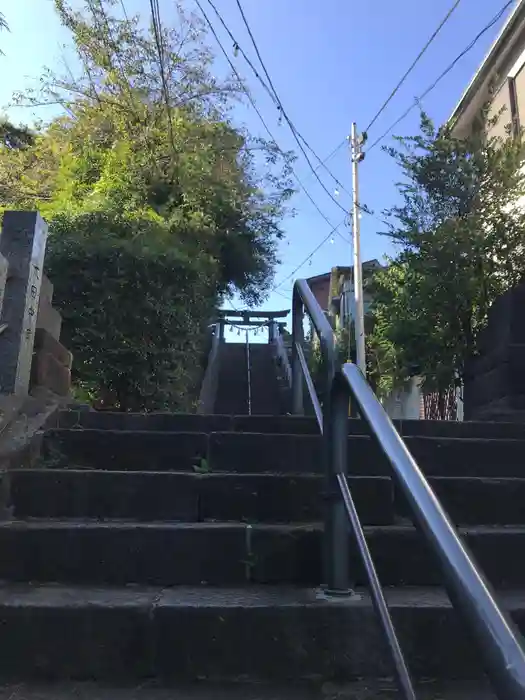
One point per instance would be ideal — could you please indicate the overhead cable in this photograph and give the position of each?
(413, 64)
(299, 139)
(447, 70)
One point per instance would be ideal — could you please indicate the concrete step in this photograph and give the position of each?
(232, 382)
(166, 422)
(293, 425)
(293, 554)
(305, 425)
(125, 450)
(476, 500)
(74, 493)
(134, 495)
(59, 633)
(270, 453)
(265, 394)
(228, 554)
(251, 452)
(381, 689)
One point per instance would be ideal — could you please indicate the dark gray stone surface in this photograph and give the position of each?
(364, 690)
(49, 373)
(117, 553)
(232, 381)
(292, 425)
(82, 493)
(165, 422)
(256, 453)
(22, 243)
(116, 450)
(266, 397)
(4, 266)
(260, 631)
(120, 553)
(495, 378)
(402, 558)
(57, 633)
(476, 500)
(285, 498)
(46, 342)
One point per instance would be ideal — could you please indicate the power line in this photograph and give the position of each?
(280, 107)
(117, 56)
(258, 112)
(284, 296)
(444, 73)
(332, 153)
(308, 257)
(366, 210)
(275, 99)
(122, 4)
(413, 65)
(322, 163)
(157, 32)
(335, 229)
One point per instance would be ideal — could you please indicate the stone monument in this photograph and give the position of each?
(22, 250)
(495, 379)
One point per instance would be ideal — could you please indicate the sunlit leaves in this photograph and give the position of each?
(461, 243)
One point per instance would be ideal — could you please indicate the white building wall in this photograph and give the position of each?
(405, 404)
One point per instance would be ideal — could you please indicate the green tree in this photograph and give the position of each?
(144, 176)
(461, 242)
(14, 137)
(128, 142)
(3, 25)
(135, 311)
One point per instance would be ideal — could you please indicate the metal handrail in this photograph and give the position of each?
(249, 374)
(303, 297)
(280, 351)
(467, 587)
(333, 423)
(471, 595)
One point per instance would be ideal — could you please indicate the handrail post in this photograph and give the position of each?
(335, 439)
(297, 339)
(471, 595)
(273, 330)
(248, 375)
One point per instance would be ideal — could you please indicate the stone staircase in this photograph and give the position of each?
(266, 396)
(232, 384)
(177, 547)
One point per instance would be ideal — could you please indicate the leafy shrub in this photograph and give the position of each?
(134, 311)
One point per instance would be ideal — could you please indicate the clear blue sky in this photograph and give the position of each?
(332, 62)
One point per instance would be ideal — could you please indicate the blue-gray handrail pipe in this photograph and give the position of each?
(499, 643)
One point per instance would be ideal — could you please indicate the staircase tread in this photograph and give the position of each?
(285, 476)
(93, 523)
(296, 690)
(198, 474)
(107, 524)
(53, 595)
(303, 436)
(291, 417)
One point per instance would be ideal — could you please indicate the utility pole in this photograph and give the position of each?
(357, 156)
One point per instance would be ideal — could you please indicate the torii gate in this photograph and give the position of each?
(251, 318)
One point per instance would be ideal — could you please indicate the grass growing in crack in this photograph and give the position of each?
(52, 456)
(203, 467)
